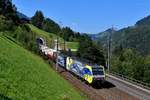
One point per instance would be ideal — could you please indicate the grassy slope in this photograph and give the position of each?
(50, 36)
(41, 32)
(73, 45)
(24, 75)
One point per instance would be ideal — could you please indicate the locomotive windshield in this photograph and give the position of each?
(98, 71)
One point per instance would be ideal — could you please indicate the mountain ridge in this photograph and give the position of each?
(136, 37)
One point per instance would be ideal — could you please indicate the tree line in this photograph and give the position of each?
(11, 26)
(51, 26)
(130, 63)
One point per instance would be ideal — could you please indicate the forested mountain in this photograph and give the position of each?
(49, 25)
(102, 37)
(144, 21)
(22, 16)
(136, 37)
(130, 50)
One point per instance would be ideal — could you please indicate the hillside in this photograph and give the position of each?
(24, 75)
(136, 37)
(144, 21)
(41, 32)
(102, 37)
(22, 16)
(130, 50)
(51, 36)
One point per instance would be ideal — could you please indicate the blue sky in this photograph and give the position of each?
(90, 16)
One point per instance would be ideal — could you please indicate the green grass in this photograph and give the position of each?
(73, 45)
(50, 37)
(25, 76)
(41, 32)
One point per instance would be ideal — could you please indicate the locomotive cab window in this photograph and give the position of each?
(98, 71)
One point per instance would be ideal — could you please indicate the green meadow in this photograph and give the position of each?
(25, 76)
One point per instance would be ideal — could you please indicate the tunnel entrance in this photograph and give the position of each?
(40, 41)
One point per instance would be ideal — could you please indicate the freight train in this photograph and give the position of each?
(91, 73)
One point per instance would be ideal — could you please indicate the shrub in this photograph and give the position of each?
(5, 24)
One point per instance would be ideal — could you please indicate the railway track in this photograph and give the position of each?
(109, 91)
(112, 89)
(136, 91)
